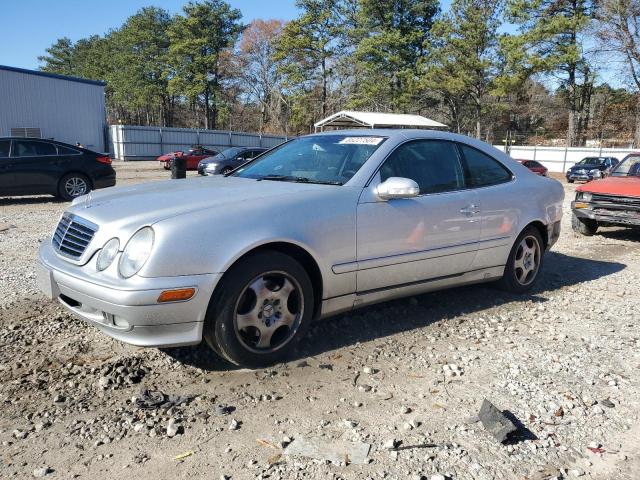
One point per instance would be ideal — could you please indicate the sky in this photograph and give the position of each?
(29, 27)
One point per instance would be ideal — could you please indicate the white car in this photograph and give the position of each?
(320, 225)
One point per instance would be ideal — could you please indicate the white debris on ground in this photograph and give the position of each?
(406, 377)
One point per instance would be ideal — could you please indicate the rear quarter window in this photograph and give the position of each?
(62, 150)
(481, 170)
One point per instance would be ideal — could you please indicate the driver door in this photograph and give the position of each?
(407, 241)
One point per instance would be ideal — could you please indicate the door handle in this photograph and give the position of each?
(470, 209)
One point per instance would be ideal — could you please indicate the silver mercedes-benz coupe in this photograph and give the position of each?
(320, 225)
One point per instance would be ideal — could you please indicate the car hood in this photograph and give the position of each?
(627, 186)
(148, 203)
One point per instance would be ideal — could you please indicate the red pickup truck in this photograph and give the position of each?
(193, 156)
(614, 200)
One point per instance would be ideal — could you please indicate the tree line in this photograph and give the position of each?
(501, 70)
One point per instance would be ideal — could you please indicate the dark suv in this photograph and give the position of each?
(228, 160)
(591, 167)
(33, 166)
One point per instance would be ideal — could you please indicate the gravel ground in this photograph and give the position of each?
(407, 377)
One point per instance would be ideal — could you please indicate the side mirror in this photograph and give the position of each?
(397, 187)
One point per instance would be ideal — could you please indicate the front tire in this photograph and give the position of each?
(584, 226)
(73, 185)
(524, 262)
(260, 311)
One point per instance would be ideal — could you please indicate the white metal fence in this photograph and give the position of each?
(559, 159)
(127, 142)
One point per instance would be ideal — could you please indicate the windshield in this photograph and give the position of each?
(329, 159)
(629, 167)
(591, 161)
(229, 153)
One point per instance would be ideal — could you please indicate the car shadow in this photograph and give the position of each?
(624, 234)
(6, 201)
(419, 311)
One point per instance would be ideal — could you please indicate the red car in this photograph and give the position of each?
(614, 200)
(535, 167)
(193, 156)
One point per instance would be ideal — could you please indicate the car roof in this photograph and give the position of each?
(37, 139)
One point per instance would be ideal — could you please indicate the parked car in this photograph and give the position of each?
(535, 167)
(228, 159)
(614, 200)
(193, 156)
(33, 167)
(319, 225)
(591, 167)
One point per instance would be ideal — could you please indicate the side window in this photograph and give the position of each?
(24, 148)
(434, 165)
(482, 170)
(62, 150)
(4, 148)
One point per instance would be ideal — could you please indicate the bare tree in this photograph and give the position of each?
(619, 32)
(258, 71)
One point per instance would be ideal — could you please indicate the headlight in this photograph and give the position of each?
(584, 196)
(211, 166)
(107, 254)
(136, 252)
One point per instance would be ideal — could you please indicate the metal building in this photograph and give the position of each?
(46, 105)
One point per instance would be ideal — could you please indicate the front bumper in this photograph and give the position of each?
(129, 313)
(580, 177)
(603, 215)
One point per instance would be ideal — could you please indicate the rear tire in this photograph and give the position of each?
(260, 311)
(584, 226)
(524, 262)
(73, 185)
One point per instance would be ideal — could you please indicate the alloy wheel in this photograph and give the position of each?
(268, 312)
(75, 186)
(527, 260)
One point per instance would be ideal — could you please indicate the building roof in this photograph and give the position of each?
(52, 75)
(351, 119)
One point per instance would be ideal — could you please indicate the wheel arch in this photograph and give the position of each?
(542, 229)
(298, 253)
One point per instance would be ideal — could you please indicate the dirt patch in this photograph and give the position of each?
(410, 374)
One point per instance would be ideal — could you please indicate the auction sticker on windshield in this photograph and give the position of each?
(360, 141)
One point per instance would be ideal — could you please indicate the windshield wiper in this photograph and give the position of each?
(293, 178)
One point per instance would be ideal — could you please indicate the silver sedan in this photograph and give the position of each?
(320, 225)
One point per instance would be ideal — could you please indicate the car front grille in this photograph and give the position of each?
(615, 201)
(72, 236)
